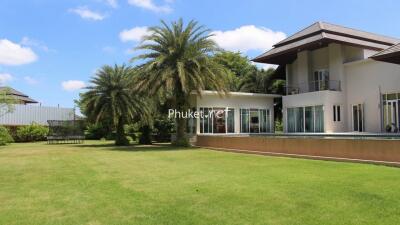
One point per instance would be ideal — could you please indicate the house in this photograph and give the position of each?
(232, 113)
(338, 79)
(26, 111)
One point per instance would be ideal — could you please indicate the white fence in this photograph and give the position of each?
(28, 114)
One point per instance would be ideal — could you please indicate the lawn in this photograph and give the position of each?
(96, 183)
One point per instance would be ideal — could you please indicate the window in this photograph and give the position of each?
(305, 119)
(336, 113)
(358, 117)
(391, 112)
(255, 121)
(217, 120)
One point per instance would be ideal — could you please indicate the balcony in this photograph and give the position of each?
(313, 86)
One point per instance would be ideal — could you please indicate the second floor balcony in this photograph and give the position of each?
(312, 86)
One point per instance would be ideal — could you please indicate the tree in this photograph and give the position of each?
(257, 81)
(178, 60)
(110, 96)
(7, 101)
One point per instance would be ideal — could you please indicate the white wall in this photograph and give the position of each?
(363, 82)
(236, 102)
(28, 114)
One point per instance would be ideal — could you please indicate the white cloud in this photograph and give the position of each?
(134, 34)
(73, 85)
(5, 78)
(14, 54)
(30, 80)
(248, 38)
(26, 41)
(150, 5)
(85, 13)
(112, 3)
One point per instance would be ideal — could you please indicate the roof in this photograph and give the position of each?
(237, 94)
(390, 55)
(17, 95)
(320, 34)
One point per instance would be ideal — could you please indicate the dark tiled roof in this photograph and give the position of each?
(391, 54)
(17, 95)
(320, 34)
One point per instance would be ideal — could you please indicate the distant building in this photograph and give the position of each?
(27, 111)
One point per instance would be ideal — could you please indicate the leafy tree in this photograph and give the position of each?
(7, 101)
(110, 96)
(238, 66)
(257, 81)
(178, 60)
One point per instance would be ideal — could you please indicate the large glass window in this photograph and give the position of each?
(244, 120)
(255, 121)
(217, 120)
(305, 119)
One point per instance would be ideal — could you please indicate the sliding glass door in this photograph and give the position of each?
(255, 121)
(358, 117)
(308, 119)
(217, 120)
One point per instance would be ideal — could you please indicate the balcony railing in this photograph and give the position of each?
(312, 86)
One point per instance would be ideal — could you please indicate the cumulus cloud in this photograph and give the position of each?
(134, 34)
(73, 85)
(13, 54)
(247, 38)
(5, 78)
(30, 80)
(112, 3)
(150, 5)
(85, 13)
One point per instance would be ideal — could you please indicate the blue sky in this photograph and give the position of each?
(49, 49)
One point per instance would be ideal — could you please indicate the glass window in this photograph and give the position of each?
(244, 120)
(299, 119)
(231, 120)
(291, 120)
(263, 120)
(336, 113)
(254, 121)
(219, 125)
(319, 119)
(205, 121)
(309, 117)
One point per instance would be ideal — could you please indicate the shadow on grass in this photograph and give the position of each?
(133, 147)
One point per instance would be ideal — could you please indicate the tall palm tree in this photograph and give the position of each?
(110, 96)
(178, 60)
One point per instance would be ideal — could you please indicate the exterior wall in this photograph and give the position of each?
(236, 102)
(325, 98)
(366, 81)
(28, 114)
(362, 81)
(360, 150)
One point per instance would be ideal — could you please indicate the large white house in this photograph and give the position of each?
(338, 80)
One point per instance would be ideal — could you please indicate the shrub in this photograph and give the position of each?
(95, 132)
(278, 126)
(5, 136)
(33, 132)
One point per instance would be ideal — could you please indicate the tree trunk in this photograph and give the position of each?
(120, 138)
(181, 137)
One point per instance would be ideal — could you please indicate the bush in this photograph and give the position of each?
(5, 136)
(33, 132)
(278, 126)
(95, 132)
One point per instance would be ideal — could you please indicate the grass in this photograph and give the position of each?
(96, 183)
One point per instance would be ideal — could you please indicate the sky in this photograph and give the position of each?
(50, 49)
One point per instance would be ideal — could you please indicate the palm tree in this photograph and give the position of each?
(110, 96)
(178, 60)
(257, 81)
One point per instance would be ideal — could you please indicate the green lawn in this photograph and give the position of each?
(96, 183)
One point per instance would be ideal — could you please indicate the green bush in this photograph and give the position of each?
(278, 126)
(33, 132)
(95, 132)
(5, 136)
